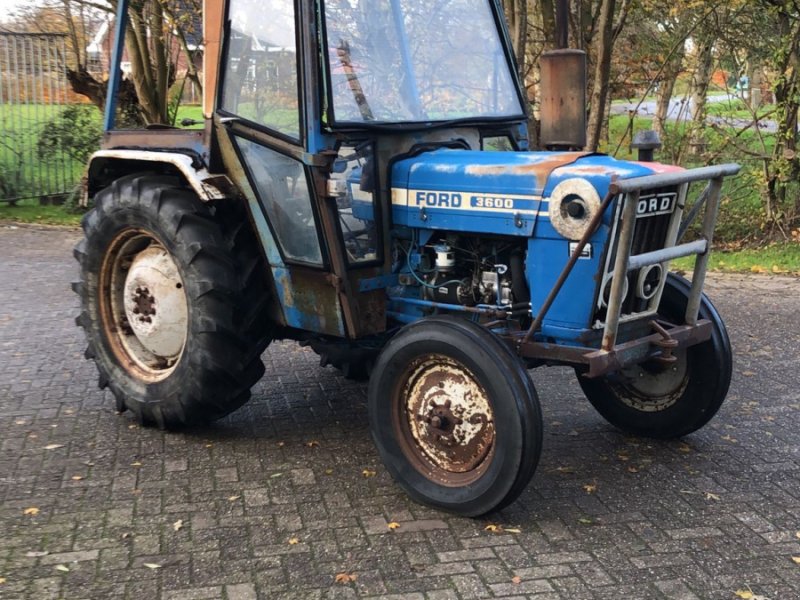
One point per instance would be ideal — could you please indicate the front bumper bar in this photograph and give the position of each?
(601, 362)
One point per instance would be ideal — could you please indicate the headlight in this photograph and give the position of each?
(573, 205)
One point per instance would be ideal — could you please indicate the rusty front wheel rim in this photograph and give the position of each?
(444, 420)
(143, 305)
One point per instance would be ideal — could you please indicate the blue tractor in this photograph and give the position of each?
(363, 184)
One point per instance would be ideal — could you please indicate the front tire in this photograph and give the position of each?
(672, 401)
(172, 301)
(455, 416)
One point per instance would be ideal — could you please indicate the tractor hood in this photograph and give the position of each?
(494, 192)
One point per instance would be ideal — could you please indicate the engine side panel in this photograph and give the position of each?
(471, 191)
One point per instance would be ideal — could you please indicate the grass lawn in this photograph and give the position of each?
(779, 258)
(29, 211)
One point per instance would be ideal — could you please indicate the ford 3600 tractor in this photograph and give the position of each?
(363, 185)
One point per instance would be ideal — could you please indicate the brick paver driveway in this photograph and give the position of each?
(283, 495)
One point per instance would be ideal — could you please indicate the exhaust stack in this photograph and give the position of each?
(563, 90)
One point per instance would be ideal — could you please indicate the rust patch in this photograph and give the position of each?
(540, 170)
(447, 419)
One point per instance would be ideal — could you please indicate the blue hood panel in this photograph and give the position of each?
(491, 192)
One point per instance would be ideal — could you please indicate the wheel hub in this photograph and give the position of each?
(654, 387)
(449, 415)
(155, 303)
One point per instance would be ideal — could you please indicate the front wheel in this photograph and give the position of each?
(669, 401)
(455, 416)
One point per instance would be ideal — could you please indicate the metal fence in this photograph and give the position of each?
(33, 94)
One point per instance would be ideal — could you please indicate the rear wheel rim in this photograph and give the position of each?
(143, 305)
(444, 420)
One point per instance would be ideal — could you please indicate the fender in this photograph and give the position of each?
(121, 162)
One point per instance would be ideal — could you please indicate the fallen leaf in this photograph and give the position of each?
(345, 577)
(368, 473)
(136, 464)
(293, 541)
(632, 469)
(749, 595)
(748, 373)
(178, 525)
(53, 446)
(513, 530)
(393, 525)
(77, 477)
(797, 535)
(585, 521)
(233, 498)
(274, 475)
(20, 422)
(35, 554)
(125, 535)
(796, 560)
(132, 426)
(62, 568)
(328, 471)
(312, 444)
(209, 445)
(493, 528)
(516, 580)
(710, 496)
(152, 566)
(565, 470)
(684, 447)
(32, 511)
(280, 444)
(590, 488)
(2, 580)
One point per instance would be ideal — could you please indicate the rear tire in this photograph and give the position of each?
(676, 400)
(173, 296)
(455, 416)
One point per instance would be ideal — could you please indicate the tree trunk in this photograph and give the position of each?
(602, 73)
(787, 100)
(664, 93)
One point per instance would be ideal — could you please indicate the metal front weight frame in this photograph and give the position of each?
(611, 356)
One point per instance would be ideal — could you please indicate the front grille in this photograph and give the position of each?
(649, 234)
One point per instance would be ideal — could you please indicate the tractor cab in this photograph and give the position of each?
(316, 100)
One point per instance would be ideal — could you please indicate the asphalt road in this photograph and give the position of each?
(287, 493)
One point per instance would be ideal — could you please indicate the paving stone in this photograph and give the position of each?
(696, 518)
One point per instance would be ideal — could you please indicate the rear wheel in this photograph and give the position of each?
(172, 301)
(455, 416)
(668, 401)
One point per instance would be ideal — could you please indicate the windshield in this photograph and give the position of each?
(396, 61)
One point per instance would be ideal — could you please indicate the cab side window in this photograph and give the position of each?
(282, 188)
(260, 81)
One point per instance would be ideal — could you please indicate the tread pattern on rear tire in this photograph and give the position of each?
(226, 288)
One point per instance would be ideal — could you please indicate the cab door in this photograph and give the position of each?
(260, 125)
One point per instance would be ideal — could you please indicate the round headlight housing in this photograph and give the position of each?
(573, 205)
